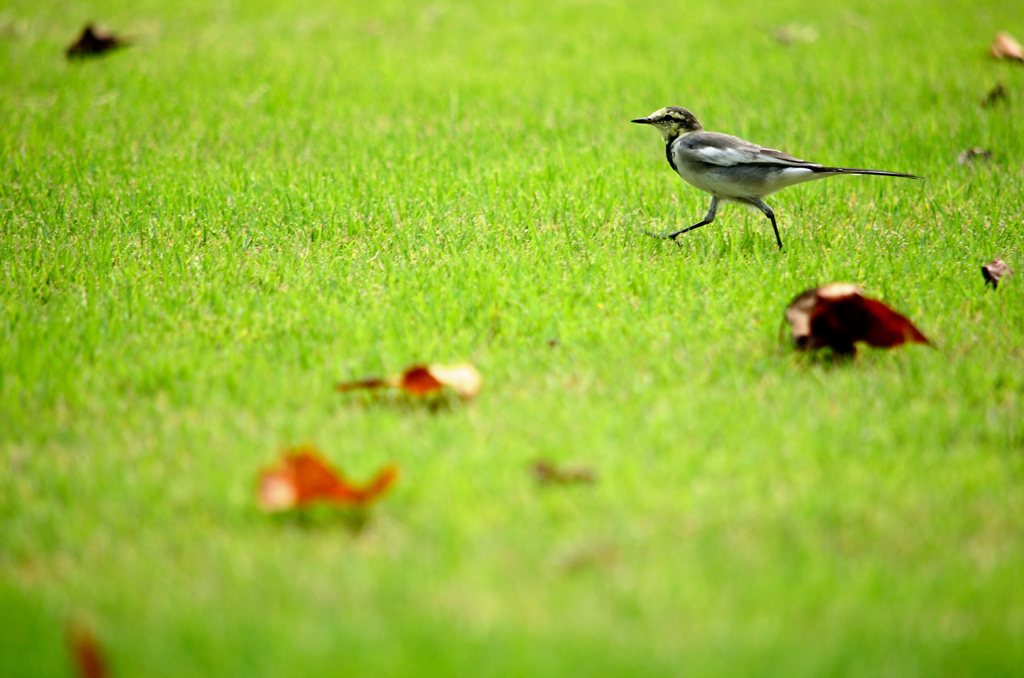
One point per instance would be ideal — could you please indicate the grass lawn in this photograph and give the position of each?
(202, 233)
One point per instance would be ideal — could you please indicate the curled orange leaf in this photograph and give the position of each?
(424, 380)
(303, 478)
(838, 316)
(417, 381)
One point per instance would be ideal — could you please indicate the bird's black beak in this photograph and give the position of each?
(642, 121)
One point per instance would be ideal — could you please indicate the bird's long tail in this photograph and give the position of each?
(850, 170)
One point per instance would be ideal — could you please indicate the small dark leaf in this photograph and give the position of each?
(93, 42)
(969, 156)
(994, 271)
(996, 95)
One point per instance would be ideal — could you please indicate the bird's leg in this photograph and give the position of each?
(770, 213)
(708, 218)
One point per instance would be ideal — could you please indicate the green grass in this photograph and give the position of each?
(200, 234)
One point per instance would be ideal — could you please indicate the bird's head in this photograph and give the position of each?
(671, 122)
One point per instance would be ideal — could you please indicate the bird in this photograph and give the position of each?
(732, 169)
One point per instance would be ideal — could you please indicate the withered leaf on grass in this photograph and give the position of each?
(996, 95)
(424, 380)
(838, 316)
(994, 271)
(969, 156)
(303, 478)
(93, 42)
(794, 33)
(546, 472)
(85, 650)
(1005, 47)
(588, 555)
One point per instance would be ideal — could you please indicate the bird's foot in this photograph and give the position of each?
(663, 236)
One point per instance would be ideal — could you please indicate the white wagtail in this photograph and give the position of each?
(730, 168)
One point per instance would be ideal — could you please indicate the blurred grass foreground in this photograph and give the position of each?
(202, 232)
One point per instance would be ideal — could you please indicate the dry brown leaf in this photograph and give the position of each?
(994, 271)
(547, 472)
(1005, 47)
(588, 555)
(303, 478)
(838, 316)
(794, 33)
(93, 42)
(969, 156)
(423, 380)
(86, 651)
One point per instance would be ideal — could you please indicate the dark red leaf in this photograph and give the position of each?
(839, 316)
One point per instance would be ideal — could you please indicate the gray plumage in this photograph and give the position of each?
(730, 168)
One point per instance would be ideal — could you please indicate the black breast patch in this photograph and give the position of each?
(668, 154)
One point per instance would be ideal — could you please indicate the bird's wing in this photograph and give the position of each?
(729, 151)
